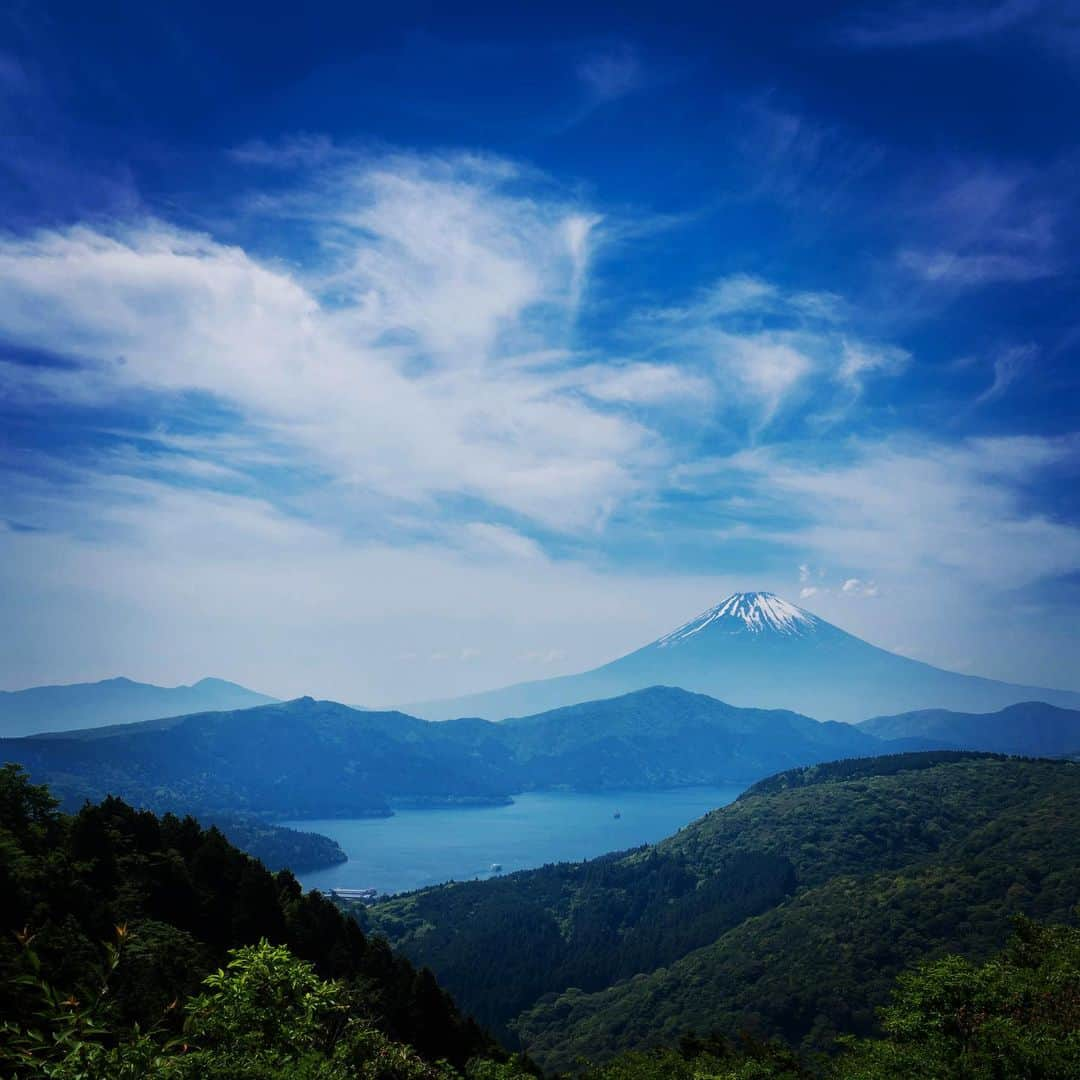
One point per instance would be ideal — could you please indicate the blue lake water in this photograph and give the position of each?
(415, 848)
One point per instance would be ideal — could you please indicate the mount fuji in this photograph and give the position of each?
(757, 650)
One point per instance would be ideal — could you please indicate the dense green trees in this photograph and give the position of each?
(275, 846)
(268, 1016)
(186, 896)
(1018, 1015)
(505, 942)
(1015, 1017)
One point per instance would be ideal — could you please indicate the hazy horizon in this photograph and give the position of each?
(210, 677)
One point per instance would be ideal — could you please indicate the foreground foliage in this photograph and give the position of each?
(1018, 1015)
(185, 897)
(268, 1016)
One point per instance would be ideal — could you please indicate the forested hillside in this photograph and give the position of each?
(275, 846)
(184, 896)
(788, 913)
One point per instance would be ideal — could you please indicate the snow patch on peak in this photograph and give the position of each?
(755, 612)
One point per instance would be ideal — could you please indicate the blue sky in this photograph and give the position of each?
(386, 353)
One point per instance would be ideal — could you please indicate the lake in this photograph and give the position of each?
(415, 848)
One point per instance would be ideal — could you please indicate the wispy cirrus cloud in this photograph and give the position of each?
(1010, 364)
(861, 361)
(918, 23)
(768, 346)
(399, 361)
(974, 268)
(612, 72)
(800, 160)
(409, 409)
(991, 224)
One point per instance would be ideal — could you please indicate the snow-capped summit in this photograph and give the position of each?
(746, 611)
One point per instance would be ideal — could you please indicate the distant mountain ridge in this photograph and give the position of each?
(292, 759)
(665, 736)
(1033, 728)
(759, 650)
(318, 758)
(308, 758)
(75, 706)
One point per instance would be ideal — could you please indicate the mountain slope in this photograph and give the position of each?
(788, 912)
(1031, 727)
(755, 649)
(114, 701)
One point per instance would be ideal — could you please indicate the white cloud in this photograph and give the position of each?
(986, 224)
(644, 384)
(767, 344)
(858, 587)
(401, 365)
(859, 360)
(766, 367)
(737, 293)
(502, 540)
(579, 230)
(826, 306)
(920, 510)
